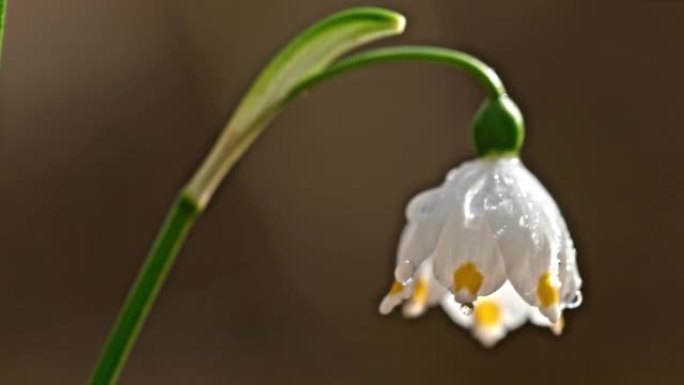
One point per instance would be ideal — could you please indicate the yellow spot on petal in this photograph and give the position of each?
(487, 314)
(396, 288)
(547, 291)
(420, 292)
(467, 277)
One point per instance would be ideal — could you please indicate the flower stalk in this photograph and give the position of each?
(145, 289)
(311, 58)
(3, 9)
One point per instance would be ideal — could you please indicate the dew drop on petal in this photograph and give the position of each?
(576, 300)
(467, 308)
(404, 272)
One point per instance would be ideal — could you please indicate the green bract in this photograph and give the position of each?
(498, 127)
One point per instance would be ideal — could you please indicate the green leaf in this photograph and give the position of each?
(308, 55)
(3, 8)
(312, 52)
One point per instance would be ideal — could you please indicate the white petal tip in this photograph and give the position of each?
(413, 310)
(389, 303)
(385, 308)
(489, 336)
(557, 328)
(552, 313)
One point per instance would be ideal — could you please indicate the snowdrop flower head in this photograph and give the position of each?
(490, 242)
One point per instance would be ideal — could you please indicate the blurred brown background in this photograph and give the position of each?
(107, 106)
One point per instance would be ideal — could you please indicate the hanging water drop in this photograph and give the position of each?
(403, 273)
(576, 300)
(467, 308)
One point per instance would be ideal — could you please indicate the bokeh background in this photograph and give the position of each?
(106, 108)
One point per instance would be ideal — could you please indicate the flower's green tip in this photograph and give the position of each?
(395, 19)
(498, 127)
(399, 22)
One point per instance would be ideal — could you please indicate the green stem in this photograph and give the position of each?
(482, 72)
(498, 127)
(144, 291)
(3, 9)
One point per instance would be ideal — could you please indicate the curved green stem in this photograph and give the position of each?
(482, 72)
(238, 136)
(498, 127)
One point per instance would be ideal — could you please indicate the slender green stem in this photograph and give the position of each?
(144, 291)
(484, 73)
(3, 9)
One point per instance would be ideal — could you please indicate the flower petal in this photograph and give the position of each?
(467, 258)
(426, 215)
(571, 282)
(394, 297)
(529, 237)
(568, 274)
(426, 291)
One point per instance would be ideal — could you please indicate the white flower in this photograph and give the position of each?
(493, 237)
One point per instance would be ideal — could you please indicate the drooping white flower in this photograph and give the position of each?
(495, 239)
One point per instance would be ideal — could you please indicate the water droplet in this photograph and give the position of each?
(404, 272)
(576, 300)
(523, 221)
(467, 308)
